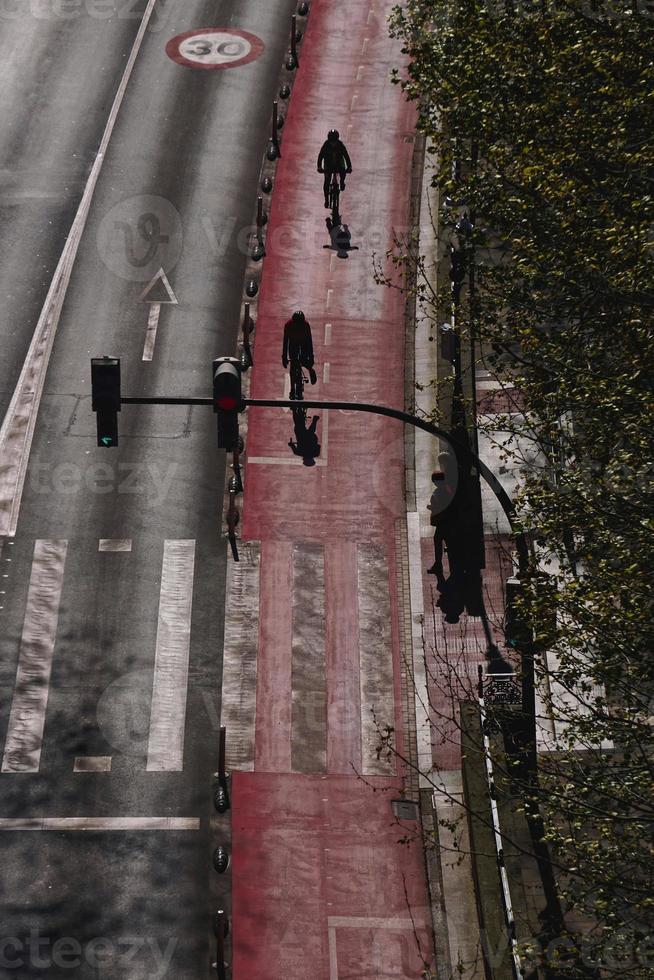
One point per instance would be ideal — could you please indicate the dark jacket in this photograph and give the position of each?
(298, 345)
(333, 157)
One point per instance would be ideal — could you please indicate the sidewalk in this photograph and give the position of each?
(318, 631)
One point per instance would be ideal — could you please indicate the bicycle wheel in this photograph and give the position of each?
(334, 194)
(296, 381)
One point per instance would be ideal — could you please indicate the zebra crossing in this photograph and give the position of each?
(308, 678)
(308, 671)
(25, 724)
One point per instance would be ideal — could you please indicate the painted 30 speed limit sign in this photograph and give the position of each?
(214, 47)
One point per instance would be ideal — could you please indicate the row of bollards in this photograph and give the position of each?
(221, 857)
(221, 792)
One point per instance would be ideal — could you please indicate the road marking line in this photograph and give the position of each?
(352, 103)
(239, 685)
(159, 276)
(151, 331)
(169, 688)
(375, 656)
(100, 823)
(115, 544)
(283, 461)
(92, 763)
(325, 372)
(329, 298)
(328, 334)
(360, 68)
(27, 716)
(323, 445)
(17, 430)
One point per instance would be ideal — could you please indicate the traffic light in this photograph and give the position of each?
(105, 398)
(227, 400)
(517, 630)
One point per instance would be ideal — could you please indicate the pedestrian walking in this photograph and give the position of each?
(443, 515)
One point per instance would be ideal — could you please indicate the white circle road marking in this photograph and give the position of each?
(214, 47)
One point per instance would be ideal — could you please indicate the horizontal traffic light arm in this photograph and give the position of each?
(461, 450)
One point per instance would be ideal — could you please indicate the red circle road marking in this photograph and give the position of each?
(214, 47)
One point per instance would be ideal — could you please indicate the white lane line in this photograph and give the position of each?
(371, 17)
(323, 432)
(27, 716)
(100, 823)
(328, 301)
(17, 429)
(281, 461)
(168, 710)
(115, 544)
(360, 70)
(364, 46)
(325, 372)
(151, 331)
(353, 102)
(328, 334)
(92, 763)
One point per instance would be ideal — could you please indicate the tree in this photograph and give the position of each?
(540, 119)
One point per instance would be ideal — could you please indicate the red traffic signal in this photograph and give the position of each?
(227, 400)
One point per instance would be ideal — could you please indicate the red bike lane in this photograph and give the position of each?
(322, 886)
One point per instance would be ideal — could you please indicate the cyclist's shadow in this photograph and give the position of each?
(340, 237)
(306, 442)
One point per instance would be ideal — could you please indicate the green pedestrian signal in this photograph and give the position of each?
(105, 398)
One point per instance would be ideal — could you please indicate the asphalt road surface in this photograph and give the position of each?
(112, 599)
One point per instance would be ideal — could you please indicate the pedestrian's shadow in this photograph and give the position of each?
(306, 442)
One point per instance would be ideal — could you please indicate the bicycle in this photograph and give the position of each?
(298, 380)
(335, 197)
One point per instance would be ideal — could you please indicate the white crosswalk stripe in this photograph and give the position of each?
(27, 716)
(169, 690)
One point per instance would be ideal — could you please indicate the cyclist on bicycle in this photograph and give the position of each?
(333, 158)
(298, 344)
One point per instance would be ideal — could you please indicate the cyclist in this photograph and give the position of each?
(333, 158)
(298, 345)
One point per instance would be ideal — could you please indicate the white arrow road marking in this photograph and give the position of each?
(151, 332)
(27, 715)
(161, 277)
(17, 428)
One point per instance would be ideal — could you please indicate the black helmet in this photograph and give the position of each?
(332, 135)
(298, 317)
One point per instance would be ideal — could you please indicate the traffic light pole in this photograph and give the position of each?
(462, 452)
